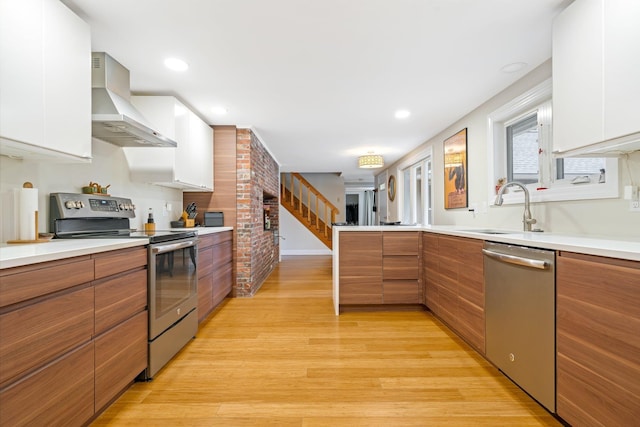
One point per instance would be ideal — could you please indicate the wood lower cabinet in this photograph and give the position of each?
(430, 272)
(70, 344)
(121, 321)
(120, 355)
(598, 340)
(61, 393)
(380, 267)
(360, 267)
(36, 334)
(401, 267)
(215, 271)
(453, 276)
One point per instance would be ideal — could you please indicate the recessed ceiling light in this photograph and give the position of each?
(402, 114)
(512, 68)
(219, 110)
(176, 64)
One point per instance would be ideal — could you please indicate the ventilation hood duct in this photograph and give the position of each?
(113, 118)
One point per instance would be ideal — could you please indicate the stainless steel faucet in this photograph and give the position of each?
(527, 221)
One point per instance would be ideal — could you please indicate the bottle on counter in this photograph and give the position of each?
(150, 225)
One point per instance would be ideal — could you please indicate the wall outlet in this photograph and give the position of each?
(634, 206)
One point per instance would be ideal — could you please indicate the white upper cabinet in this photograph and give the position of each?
(596, 64)
(45, 81)
(622, 68)
(189, 166)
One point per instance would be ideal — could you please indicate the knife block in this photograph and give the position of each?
(188, 222)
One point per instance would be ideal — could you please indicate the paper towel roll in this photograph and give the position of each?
(27, 207)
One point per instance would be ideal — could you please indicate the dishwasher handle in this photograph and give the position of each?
(517, 260)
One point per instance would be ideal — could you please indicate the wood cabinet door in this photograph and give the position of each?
(60, 394)
(400, 243)
(222, 283)
(430, 274)
(38, 333)
(205, 296)
(471, 271)
(360, 267)
(400, 267)
(113, 262)
(120, 355)
(598, 340)
(119, 298)
(31, 281)
(401, 292)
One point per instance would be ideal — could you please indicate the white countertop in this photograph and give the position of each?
(593, 245)
(15, 255)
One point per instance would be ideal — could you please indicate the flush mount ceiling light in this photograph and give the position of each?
(370, 161)
(175, 64)
(220, 110)
(513, 68)
(402, 114)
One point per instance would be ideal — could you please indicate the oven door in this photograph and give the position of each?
(173, 283)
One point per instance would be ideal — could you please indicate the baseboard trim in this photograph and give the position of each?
(285, 252)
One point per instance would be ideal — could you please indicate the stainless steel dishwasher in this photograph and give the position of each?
(520, 317)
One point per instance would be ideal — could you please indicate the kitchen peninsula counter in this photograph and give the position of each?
(15, 255)
(593, 245)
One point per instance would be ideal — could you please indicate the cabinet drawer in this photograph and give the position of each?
(119, 298)
(205, 241)
(121, 354)
(360, 290)
(400, 242)
(222, 253)
(205, 296)
(24, 283)
(114, 262)
(224, 236)
(38, 333)
(205, 261)
(401, 292)
(400, 267)
(61, 394)
(222, 283)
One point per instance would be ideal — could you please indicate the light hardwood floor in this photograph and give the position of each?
(282, 358)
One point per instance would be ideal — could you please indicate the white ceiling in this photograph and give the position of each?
(319, 80)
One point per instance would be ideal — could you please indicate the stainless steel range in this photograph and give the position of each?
(172, 266)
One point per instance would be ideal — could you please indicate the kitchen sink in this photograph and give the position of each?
(489, 231)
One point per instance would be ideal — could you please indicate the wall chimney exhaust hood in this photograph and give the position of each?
(113, 118)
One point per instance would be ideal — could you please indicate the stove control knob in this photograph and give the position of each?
(122, 207)
(79, 204)
(70, 204)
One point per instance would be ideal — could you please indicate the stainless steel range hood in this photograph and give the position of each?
(113, 117)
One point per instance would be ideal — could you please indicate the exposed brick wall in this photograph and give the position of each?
(257, 252)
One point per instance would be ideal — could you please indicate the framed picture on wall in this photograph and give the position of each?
(455, 171)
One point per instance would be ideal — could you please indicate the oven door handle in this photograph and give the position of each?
(160, 249)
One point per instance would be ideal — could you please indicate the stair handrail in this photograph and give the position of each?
(330, 210)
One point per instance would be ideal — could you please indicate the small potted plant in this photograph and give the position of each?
(500, 183)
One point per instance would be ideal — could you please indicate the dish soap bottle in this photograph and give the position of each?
(150, 225)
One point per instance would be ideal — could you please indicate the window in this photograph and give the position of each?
(521, 149)
(416, 192)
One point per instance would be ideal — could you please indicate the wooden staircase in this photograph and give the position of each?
(308, 205)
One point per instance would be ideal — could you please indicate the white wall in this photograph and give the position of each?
(296, 239)
(108, 166)
(605, 217)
